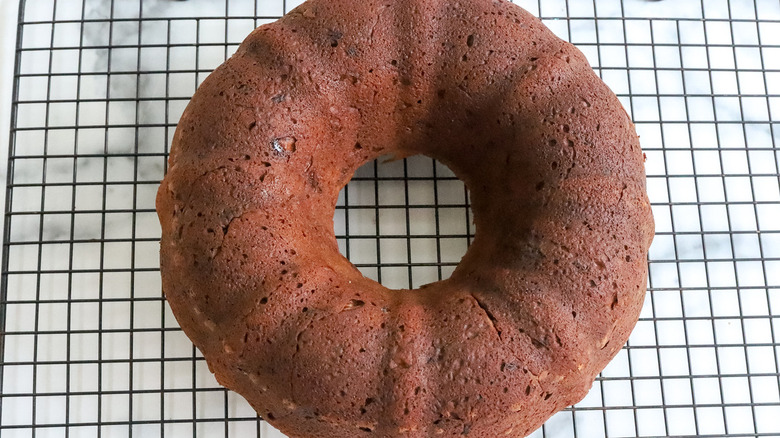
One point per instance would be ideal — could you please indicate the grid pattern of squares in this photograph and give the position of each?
(89, 347)
(404, 223)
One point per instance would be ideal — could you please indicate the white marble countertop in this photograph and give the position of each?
(8, 13)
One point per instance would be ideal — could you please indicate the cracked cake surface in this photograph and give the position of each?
(547, 293)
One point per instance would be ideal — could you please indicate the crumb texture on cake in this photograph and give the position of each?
(545, 296)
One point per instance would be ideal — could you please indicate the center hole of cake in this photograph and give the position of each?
(404, 223)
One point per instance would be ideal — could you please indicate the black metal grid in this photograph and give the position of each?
(90, 349)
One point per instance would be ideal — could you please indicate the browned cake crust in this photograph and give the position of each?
(546, 295)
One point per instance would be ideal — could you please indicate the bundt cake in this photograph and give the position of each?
(545, 296)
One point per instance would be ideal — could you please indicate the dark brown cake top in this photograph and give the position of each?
(545, 296)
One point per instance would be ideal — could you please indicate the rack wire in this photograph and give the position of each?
(89, 347)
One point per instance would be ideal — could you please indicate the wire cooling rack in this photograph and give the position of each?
(89, 347)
